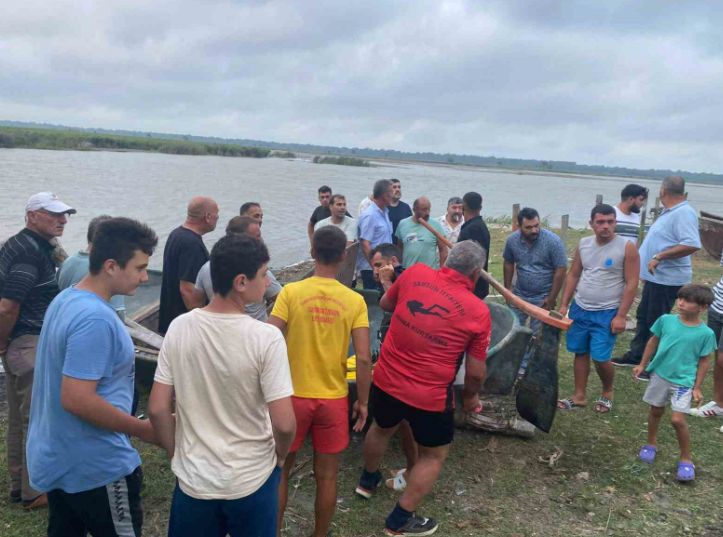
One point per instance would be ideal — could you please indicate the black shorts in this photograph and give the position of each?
(110, 511)
(430, 429)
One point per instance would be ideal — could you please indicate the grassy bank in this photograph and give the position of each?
(493, 485)
(342, 161)
(72, 140)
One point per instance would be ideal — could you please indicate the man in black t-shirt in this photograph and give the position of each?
(474, 228)
(27, 287)
(183, 257)
(398, 210)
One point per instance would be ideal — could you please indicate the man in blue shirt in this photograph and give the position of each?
(79, 450)
(540, 258)
(375, 228)
(665, 264)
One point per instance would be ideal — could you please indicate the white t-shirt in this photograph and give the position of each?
(628, 225)
(224, 369)
(348, 226)
(451, 233)
(366, 202)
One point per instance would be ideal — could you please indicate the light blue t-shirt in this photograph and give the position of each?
(83, 338)
(74, 269)
(419, 245)
(681, 347)
(375, 227)
(674, 226)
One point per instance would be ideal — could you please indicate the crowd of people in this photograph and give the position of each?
(248, 369)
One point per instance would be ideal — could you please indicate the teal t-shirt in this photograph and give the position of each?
(680, 348)
(420, 245)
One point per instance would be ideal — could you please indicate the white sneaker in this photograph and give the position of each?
(397, 482)
(709, 410)
(721, 429)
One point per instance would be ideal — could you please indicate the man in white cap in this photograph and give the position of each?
(27, 286)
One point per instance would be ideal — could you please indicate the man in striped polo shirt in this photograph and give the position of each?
(27, 286)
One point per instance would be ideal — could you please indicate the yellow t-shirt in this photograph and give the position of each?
(320, 314)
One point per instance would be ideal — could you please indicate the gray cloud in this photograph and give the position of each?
(602, 83)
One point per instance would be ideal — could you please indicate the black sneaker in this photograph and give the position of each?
(644, 376)
(15, 496)
(366, 487)
(625, 361)
(415, 525)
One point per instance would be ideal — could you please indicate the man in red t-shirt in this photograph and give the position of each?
(437, 318)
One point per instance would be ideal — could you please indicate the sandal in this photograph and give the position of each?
(647, 454)
(603, 403)
(397, 482)
(563, 405)
(686, 472)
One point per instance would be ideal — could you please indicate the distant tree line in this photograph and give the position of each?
(342, 161)
(282, 154)
(52, 139)
(555, 166)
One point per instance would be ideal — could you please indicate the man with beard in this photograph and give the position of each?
(453, 220)
(627, 212)
(340, 219)
(398, 210)
(416, 243)
(540, 258)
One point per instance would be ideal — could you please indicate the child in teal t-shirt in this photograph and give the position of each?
(680, 346)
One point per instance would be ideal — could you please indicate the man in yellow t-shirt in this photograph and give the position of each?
(318, 315)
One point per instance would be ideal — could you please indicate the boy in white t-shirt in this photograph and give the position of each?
(234, 420)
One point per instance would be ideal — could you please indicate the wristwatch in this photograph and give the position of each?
(656, 257)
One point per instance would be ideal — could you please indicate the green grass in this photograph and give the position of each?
(342, 161)
(494, 485)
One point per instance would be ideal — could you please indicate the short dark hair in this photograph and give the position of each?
(473, 201)
(527, 213)
(246, 207)
(699, 294)
(387, 250)
(601, 209)
(395, 181)
(240, 224)
(381, 187)
(119, 239)
(633, 191)
(93, 225)
(324, 188)
(337, 197)
(329, 244)
(233, 255)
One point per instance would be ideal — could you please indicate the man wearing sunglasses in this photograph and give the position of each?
(27, 286)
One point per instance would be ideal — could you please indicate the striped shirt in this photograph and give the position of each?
(27, 276)
(718, 294)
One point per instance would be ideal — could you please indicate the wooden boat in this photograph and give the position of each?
(711, 234)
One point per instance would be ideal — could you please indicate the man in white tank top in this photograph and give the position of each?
(605, 276)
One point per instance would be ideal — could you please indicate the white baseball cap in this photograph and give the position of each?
(49, 202)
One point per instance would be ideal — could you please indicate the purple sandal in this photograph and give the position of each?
(686, 471)
(647, 454)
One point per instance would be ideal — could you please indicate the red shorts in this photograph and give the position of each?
(328, 420)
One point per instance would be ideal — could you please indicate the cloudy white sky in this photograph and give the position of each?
(616, 82)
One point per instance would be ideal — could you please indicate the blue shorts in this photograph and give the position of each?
(591, 333)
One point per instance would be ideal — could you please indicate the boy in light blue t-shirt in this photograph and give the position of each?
(681, 345)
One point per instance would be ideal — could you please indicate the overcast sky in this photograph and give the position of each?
(610, 82)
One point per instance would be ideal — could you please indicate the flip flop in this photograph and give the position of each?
(647, 454)
(568, 404)
(686, 472)
(605, 403)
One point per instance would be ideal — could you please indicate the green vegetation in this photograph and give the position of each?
(74, 140)
(282, 154)
(342, 161)
(494, 485)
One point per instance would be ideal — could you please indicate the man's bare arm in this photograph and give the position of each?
(508, 270)
(283, 425)
(9, 311)
(360, 339)
(160, 412)
(631, 273)
(557, 280)
(277, 322)
(79, 397)
(676, 252)
(366, 247)
(475, 373)
(442, 253)
(188, 290)
(573, 278)
(310, 230)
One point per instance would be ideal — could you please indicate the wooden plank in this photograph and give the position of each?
(143, 334)
(515, 212)
(657, 209)
(552, 318)
(565, 229)
(598, 199)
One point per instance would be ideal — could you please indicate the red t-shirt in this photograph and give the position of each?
(436, 319)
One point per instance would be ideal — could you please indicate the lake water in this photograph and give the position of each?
(156, 188)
